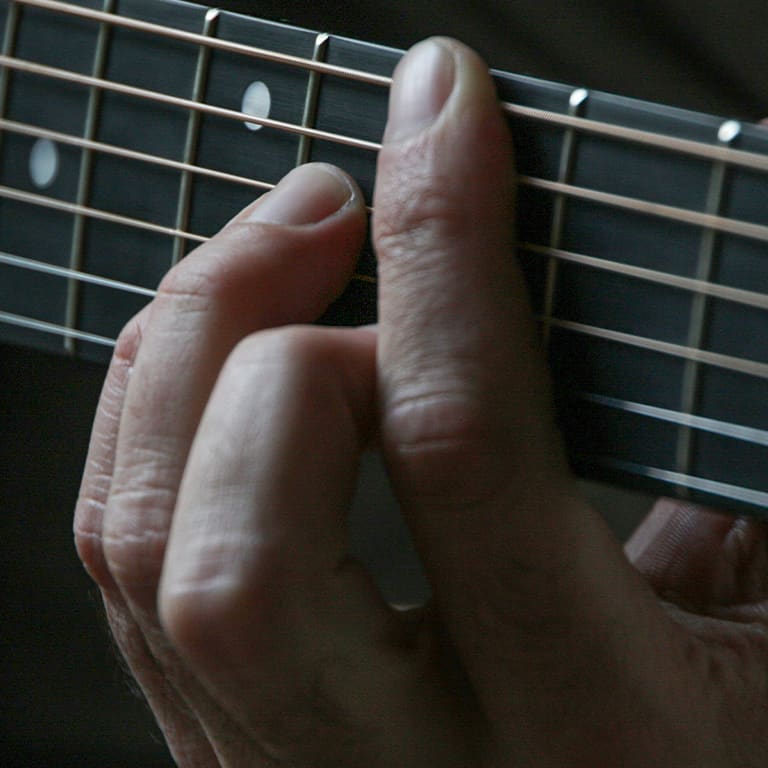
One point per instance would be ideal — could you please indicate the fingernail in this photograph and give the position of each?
(307, 195)
(421, 85)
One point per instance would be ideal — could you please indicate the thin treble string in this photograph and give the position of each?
(712, 152)
(737, 296)
(73, 274)
(722, 223)
(716, 359)
(55, 203)
(647, 207)
(734, 295)
(26, 129)
(693, 285)
(11, 193)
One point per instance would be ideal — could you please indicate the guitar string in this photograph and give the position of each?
(53, 203)
(26, 129)
(756, 161)
(56, 73)
(696, 218)
(21, 262)
(747, 366)
(715, 152)
(720, 223)
(141, 93)
(737, 296)
(692, 217)
(734, 295)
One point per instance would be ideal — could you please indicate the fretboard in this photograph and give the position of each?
(131, 130)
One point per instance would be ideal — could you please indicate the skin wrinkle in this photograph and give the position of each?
(298, 655)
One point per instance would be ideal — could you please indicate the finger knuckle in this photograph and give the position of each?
(192, 285)
(302, 345)
(135, 536)
(297, 356)
(223, 594)
(88, 541)
(128, 342)
(448, 445)
(211, 276)
(425, 211)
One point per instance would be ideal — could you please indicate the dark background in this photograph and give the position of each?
(64, 700)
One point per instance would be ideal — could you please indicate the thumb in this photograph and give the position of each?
(512, 551)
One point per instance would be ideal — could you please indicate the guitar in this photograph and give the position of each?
(643, 229)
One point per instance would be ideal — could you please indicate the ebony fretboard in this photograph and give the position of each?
(647, 259)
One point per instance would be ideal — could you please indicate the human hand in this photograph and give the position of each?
(225, 452)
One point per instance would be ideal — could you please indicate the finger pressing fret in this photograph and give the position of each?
(620, 235)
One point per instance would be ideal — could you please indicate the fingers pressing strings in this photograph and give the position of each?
(233, 286)
(518, 561)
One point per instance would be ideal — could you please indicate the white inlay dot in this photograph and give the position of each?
(257, 101)
(43, 163)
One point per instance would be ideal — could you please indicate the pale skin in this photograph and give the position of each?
(225, 451)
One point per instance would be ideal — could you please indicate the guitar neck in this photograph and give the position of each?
(131, 130)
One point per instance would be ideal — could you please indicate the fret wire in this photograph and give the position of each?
(26, 129)
(115, 218)
(58, 330)
(715, 487)
(728, 362)
(703, 423)
(564, 175)
(193, 132)
(743, 158)
(734, 226)
(661, 210)
(700, 302)
(84, 181)
(309, 116)
(176, 101)
(8, 49)
(735, 295)
(85, 277)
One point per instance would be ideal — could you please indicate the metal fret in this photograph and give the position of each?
(728, 132)
(8, 49)
(309, 117)
(84, 181)
(624, 385)
(576, 104)
(193, 134)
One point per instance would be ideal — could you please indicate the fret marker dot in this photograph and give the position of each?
(43, 163)
(257, 101)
